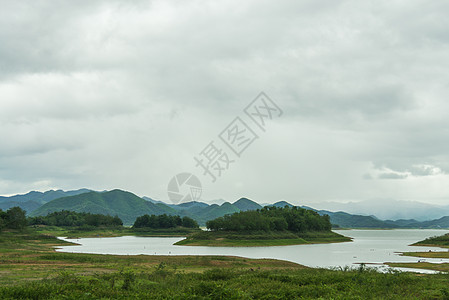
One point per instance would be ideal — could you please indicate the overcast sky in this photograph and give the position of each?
(114, 94)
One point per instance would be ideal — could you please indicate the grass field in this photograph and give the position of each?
(31, 269)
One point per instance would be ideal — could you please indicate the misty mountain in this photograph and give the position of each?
(388, 209)
(432, 224)
(346, 220)
(152, 200)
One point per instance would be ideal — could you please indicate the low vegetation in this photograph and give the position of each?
(30, 269)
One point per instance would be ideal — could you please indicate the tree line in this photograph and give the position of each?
(270, 218)
(73, 219)
(164, 221)
(294, 219)
(15, 218)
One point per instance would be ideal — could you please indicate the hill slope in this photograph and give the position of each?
(34, 200)
(123, 204)
(245, 204)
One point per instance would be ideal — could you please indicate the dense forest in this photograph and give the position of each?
(270, 218)
(164, 221)
(71, 219)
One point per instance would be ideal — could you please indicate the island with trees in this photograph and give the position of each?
(269, 226)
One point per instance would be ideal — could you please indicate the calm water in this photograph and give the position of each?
(369, 246)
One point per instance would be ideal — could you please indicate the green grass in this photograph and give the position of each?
(31, 269)
(166, 282)
(260, 239)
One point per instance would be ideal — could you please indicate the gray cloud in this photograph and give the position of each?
(392, 176)
(108, 94)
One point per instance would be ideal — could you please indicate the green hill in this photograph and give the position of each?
(245, 204)
(281, 204)
(203, 214)
(123, 204)
(33, 200)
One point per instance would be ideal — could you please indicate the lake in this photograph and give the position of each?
(369, 246)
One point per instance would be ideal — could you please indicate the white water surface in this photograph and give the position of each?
(373, 247)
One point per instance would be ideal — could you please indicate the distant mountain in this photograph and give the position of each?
(190, 205)
(389, 209)
(129, 206)
(282, 204)
(403, 223)
(245, 204)
(211, 212)
(216, 201)
(439, 223)
(432, 224)
(152, 200)
(346, 220)
(33, 200)
(202, 212)
(123, 204)
(28, 206)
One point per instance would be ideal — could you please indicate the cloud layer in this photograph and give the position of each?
(107, 94)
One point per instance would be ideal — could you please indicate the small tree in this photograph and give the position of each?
(16, 218)
(2, 220)
(189, 222)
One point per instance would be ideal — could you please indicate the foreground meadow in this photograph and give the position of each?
(31, 269)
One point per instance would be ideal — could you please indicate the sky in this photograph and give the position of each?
(126, 94)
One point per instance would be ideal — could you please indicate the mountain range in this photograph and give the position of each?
(129, 206)
(33, 200)
(389, 209)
